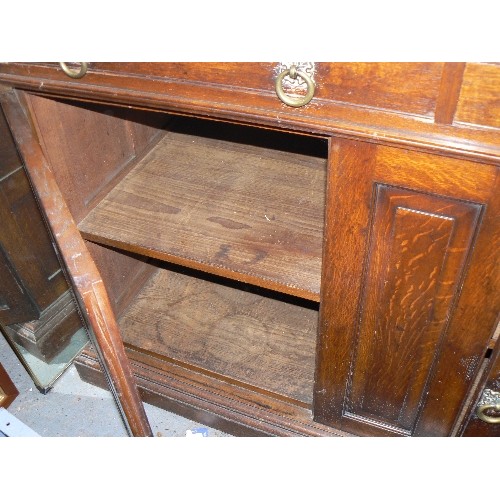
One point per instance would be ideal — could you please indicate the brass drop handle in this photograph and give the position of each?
(486, 418)
(295, 102)
(72, 73)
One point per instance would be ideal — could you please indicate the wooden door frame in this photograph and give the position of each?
(76, 261)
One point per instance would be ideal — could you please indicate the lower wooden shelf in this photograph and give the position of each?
(250, 336)
(226, 354)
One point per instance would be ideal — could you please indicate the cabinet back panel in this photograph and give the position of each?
(88, 146)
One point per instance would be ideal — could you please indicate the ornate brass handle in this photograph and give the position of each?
(296, 102)
(486, 418)
(79, 73)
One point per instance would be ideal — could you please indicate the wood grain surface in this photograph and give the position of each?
(402, 87)
(479, 100)
(449, 91)
(211, 401)
(410, 294)
(233, 333)
(240, 210)
(404, 262)
(178, 90)
(417, 256)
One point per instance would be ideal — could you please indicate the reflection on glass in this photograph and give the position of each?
(44, 373)
(48, 345)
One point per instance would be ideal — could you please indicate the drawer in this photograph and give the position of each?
(401, 87)
(405, 87)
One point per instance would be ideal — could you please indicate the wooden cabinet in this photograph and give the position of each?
(330, 269)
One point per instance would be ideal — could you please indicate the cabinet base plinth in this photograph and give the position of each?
(218, 404)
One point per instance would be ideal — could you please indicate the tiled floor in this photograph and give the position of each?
(73, 408)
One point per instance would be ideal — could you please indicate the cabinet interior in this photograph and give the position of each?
(230, 219)
(223, 198)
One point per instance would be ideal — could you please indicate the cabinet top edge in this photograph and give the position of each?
(259, 107)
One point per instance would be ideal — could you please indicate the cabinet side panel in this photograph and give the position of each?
(89, 148)
(417, 254)
(124, 274)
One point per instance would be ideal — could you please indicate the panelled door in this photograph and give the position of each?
(409, 288)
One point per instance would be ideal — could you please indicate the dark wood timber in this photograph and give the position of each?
(84, 274)
(241, 211)
(449, 90)
(254, 339)
(212, 401)
(216, 93)
(217, 250)
(411, 259)
(404, 87)
(8, 391)
(479, 100)
(90, 150)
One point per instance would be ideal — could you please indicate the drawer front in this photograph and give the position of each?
(408, 88)
(403, 87)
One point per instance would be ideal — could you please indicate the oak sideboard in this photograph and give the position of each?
(277, 248)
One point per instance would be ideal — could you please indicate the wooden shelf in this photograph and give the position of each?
(242, 211)
(252, 340)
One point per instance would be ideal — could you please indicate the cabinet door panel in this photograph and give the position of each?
(392, 359)
(418, 249)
